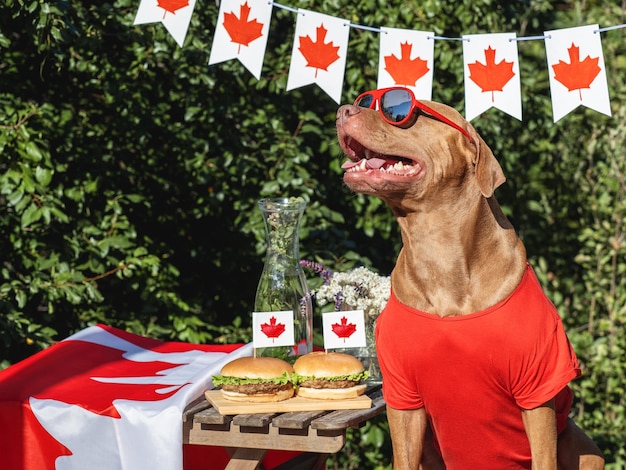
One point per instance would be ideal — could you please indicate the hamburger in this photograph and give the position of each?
(329, 376)
(256, 380)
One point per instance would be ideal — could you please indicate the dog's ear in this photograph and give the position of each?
(489, 174)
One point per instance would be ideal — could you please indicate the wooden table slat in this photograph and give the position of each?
(296, 419)
(348, 418)
(257, 420)
(211, 416)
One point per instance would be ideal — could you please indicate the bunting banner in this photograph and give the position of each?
(241, 33)
(174, 14)
(492, 79)
(319, 53)
(406, 59)
(577, 72)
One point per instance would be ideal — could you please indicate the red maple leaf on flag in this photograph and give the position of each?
(344, 329)
(404, 70)
(83, 374)
(240, 29)
(577, 74)
(318, 54)
(172, 5)
(491, 76)
(272, 329)
(75, 363)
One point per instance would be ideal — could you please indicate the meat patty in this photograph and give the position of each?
(252, 389)
(318, 383)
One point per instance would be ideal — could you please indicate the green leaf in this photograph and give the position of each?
(43, 175)
(31, 215)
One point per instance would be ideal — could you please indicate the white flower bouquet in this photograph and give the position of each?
(356, 289)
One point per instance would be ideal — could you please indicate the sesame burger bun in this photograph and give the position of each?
(325, 376)
(256, 380)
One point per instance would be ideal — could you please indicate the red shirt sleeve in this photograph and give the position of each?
(543, 373)
(399, 384)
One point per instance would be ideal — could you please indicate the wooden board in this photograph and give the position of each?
(226, 407)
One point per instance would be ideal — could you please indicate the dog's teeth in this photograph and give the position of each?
(376, 163)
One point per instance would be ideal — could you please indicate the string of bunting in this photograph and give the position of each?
(575, 57)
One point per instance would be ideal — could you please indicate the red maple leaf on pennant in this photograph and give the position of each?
(577, 74)
(172, 5)
(491, 76)
(240, 29)
(344, 329)
(404, 70)
(318, 54)
(272, 329)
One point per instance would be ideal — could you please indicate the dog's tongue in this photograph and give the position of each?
(375, 163)
(371, 163)
(349, 164)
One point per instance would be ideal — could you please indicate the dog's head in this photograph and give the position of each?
(428, 155)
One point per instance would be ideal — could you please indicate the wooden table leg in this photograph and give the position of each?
(246, 459)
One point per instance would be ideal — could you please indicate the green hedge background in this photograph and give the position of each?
(130, 170)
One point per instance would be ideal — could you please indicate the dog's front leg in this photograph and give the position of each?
(540, 425)
(408, 429)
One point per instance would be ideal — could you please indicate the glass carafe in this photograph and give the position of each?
(283, 285)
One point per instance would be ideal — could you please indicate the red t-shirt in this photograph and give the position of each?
(474, 373)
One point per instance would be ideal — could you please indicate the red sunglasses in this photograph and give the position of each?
(396, 105)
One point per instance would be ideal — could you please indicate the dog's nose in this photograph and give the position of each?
(346, 111)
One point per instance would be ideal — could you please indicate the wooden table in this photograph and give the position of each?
(247, 437)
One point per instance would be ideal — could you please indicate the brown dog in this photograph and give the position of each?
(461, 264)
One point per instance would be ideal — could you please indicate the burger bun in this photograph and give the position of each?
(327, 364)
(279, 395)
(256, 368)
(332, 393)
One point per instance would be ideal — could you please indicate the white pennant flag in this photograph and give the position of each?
(174, 14)
(577, 72)
(344, 329)
(319, 53)
(241, 33)
(492, 79)
(406, 59)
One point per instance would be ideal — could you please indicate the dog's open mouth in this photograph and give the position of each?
(363, 159)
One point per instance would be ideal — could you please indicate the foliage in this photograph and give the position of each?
(130, 172)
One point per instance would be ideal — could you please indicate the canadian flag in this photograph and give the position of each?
(344, 329)
(106, 399)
